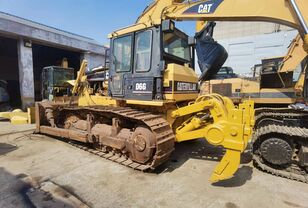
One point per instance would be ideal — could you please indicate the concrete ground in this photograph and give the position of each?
(27, 161)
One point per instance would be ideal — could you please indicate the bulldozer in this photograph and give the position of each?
(55, 82)
(153, 98)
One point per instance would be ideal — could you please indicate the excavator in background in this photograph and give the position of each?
(153, 92)
(278, 82)
(279, 85)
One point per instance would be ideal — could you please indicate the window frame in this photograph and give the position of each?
(135, 51)
(174, 57)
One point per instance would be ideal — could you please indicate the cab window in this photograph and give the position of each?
(176, 44)
(122, 48)
(143, 48)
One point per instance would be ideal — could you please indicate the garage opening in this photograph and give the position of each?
(9, 69)
(44, 56)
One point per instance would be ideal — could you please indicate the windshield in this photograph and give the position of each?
(61, 77)
(176, 44)
(223, 71)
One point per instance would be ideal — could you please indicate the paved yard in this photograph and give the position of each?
(29, 161)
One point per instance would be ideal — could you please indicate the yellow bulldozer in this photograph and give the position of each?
(153, 98)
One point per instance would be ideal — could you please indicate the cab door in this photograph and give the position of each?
(141, 82)
(135, 67)
(120, 64)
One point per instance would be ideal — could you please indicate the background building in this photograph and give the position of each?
(26, 47)
(249, 42)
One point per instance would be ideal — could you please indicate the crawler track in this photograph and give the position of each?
(117, 158)
(164, 136)
(277, 115)
(270, 122)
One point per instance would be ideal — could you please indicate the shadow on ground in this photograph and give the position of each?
(201, 150)
(13, 190)
(18, 191)
(7, 148)
(242, 175)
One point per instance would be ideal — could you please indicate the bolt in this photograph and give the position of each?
(233, 132)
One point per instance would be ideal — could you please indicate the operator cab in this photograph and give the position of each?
(157, 63)
(139, 59)
(225, 72)
(54, 82)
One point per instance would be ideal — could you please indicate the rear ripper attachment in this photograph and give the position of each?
(134, 138)
(218, 121)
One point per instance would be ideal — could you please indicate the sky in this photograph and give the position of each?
(90, 18)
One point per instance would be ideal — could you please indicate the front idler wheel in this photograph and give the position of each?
(142, 145)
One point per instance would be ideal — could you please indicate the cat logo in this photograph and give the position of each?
(205, 8)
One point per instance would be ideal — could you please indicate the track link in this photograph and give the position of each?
(293, 172)
(278, 113)
(156, 123)
(120, 159)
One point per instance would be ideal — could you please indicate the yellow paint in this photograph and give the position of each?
(147, 103)
(248, 86)
(180, 97)
(81, 73)
(71, 82)
(306, 43)
(17, 120)
(92, 100)
(230, 127)
(19, 117)
(273, 100)
(229, 162)
(200, 25)
(295, 55)
(175, 72)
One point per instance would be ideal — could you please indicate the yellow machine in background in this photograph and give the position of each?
(279, 144)
(280, 80)
(153, 97)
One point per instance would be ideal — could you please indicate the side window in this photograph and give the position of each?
(122, 48)
(143, 49)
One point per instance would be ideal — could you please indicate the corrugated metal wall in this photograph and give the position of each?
(249, 42)
(245, 52)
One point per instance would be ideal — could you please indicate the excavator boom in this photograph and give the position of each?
(286, 12)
